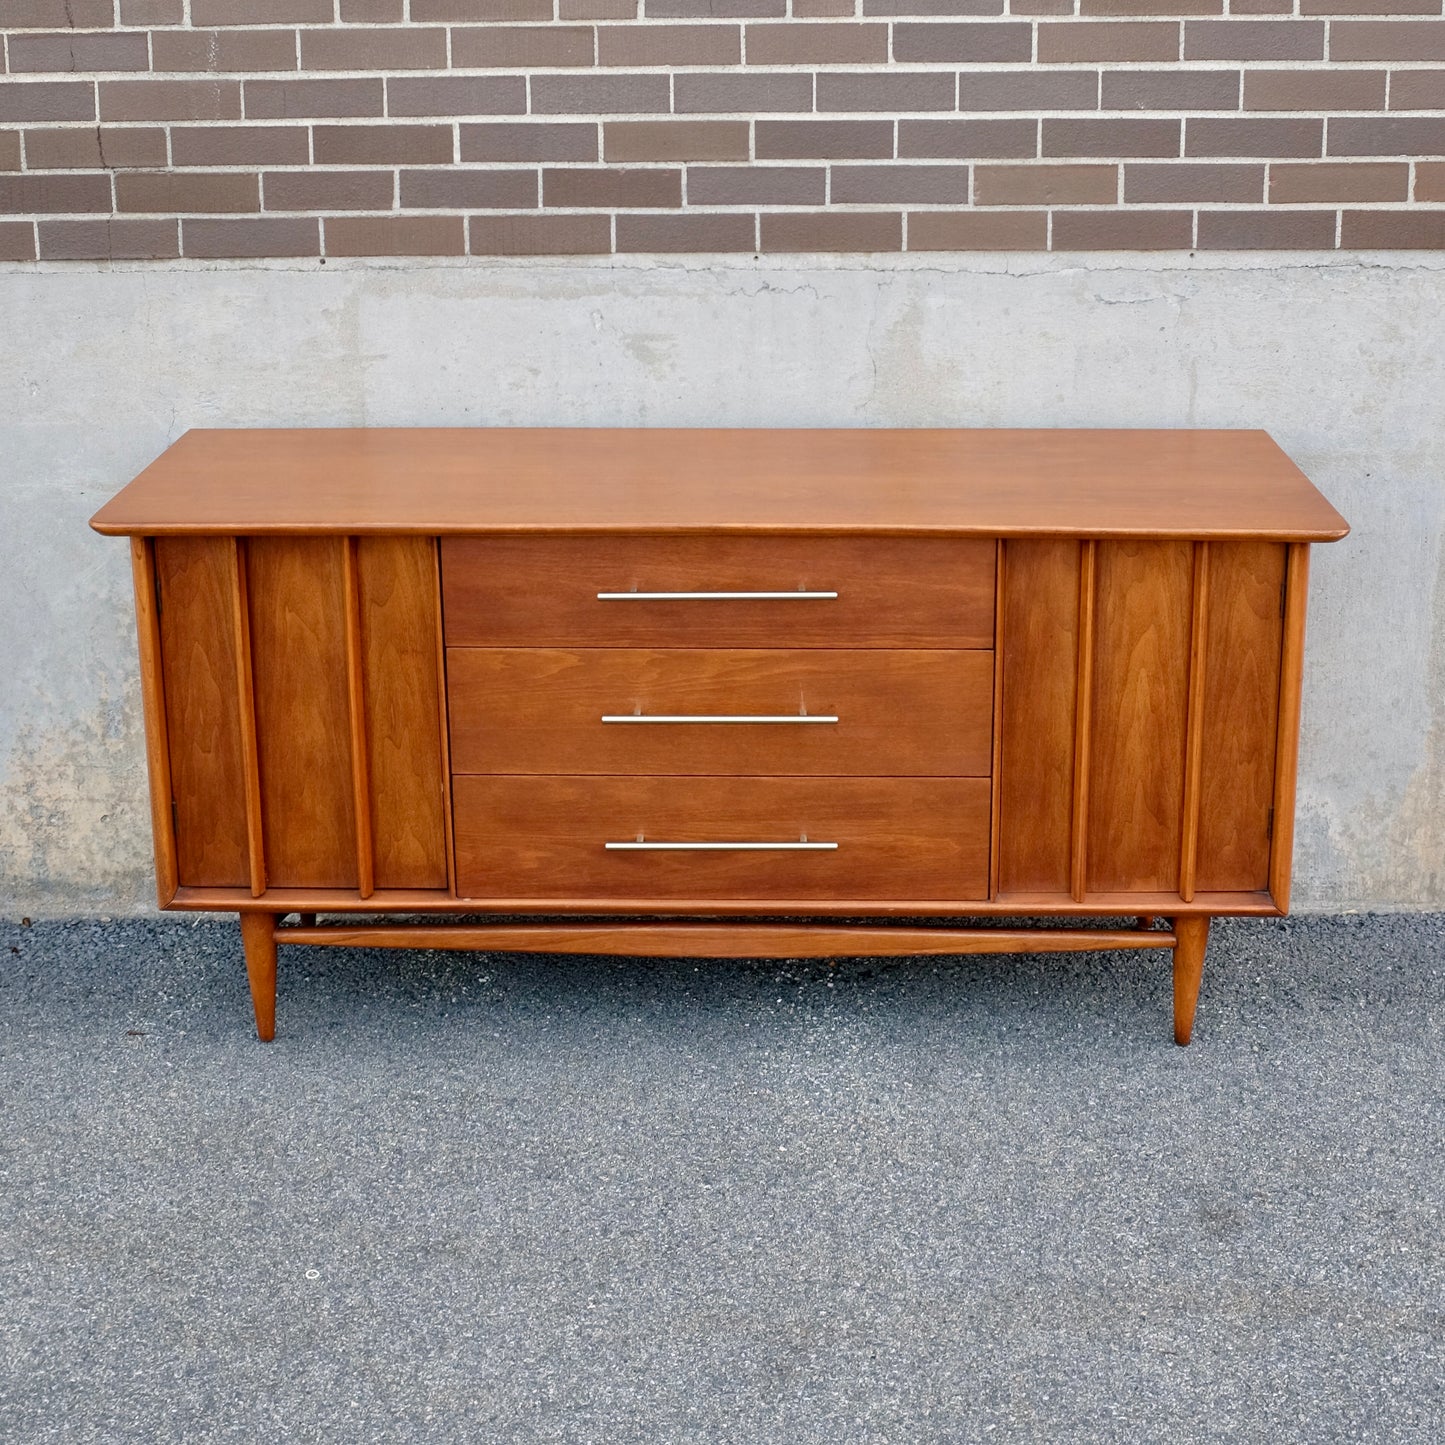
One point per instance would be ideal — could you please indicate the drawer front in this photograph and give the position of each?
(818, 711)
(542, 591)
(894, 838)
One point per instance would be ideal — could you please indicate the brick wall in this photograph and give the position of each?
(243, 128)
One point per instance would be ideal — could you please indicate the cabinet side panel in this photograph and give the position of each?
(1041, 628)
(198, 668)
(298, 653)
(399, 625)
(1144, 595)
(1241, 713)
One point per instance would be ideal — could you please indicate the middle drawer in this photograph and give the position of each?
(712, 712)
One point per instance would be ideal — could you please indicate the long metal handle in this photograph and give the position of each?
(712, 596)
(648, 847)
(657, 717)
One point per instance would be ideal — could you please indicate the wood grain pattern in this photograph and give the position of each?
(1041, 600)
(400, 633)
(897, 837)
(258, 939)
(198, 649)
(892, 592)
(298, 645)
(1194, 721)
(153, 703)
(1193, 941)
(1083, 720)
(1141, 683)
(1286, 766)
(1240, 714)
(246, 717)
(980, 483)
(539, 710)
(996, 751)
(356, 717)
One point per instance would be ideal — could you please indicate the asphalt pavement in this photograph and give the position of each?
(469, 1197)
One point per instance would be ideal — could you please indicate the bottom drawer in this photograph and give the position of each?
(867, 838)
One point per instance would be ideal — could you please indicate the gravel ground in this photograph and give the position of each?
(482, 1197)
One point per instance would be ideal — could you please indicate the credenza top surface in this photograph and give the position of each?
(1098, 483)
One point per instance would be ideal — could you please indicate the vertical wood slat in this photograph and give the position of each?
(995, 801)
(1083, 723)
(1281, 857)
(246, 715)
(450, 833)
(1194, 717)
(356, 714)
(143, 573)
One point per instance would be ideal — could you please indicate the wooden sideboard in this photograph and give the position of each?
(658, 689)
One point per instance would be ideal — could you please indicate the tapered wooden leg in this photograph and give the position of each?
(1192, 935)
(258, 936)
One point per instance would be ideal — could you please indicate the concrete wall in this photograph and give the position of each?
(1340, 357)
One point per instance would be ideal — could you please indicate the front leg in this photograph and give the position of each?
(1192, 938)
(258, 937)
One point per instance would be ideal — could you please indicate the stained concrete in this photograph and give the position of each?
(1338, 356)
(928, 1201)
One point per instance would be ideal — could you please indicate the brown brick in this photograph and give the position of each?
(312, 190)
(260, 12)
(365, 48)
(541, 235)
(17, 241)
(305, 99)
(1387, 181)
(1123, 231)
(936, 7)
(1032, 90)
(396, 236)
(47, 100)
(54, 194)
(1045, 185)
(1253, 136)
(1387, 135)
(698, 234)
(71, 52)
(1430, 181)
(1041, 7)
(675, 140)
(669, 45)
(170, 100)
(777, 140)
(152, 12)
(240, 145)
(714, 9)
(450, 95)
(1254, 40)
(113, 239)
(1193, 183)
(597, 9)
(361, 145)
(257, 236)
(1151, 7)
(1261, 7)
(385, 11)
(757, 185)
(1106, 137)
(57, 14)
(1107, 40)
(1393, 230)
(1316, 90)
(895, 92)
(502, 46)
(821, 9)
(836, 231)
(1369, 7)
(530, 141)
(820, 44)
(900, 184)
(978, 230)
(1412, 90)
(971, 43)
(742, 94)
(1266, 230)
(1387, 40)
(481, 9)
(172, 192)
(95, 148)
(968, 139)
(1170, 90)
(10, 150)
(469, 190)
(600, 94)
(224, 50)
(599, 187)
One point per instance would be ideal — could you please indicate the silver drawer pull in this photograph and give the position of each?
(657, 717)
(712, 596)
(641, 846)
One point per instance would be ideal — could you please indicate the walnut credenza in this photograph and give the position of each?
(653, 689)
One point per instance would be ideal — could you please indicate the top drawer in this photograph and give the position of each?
(839, 591)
